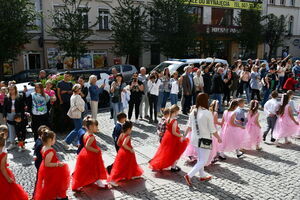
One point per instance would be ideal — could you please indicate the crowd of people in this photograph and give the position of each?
(205, 93)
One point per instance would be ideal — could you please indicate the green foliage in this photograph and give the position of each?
(16, 19)
(71, 28)
(274, 31)
(172, 27)
(129, 27)
(249, 35)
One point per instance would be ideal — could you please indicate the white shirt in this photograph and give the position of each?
(271, 107)
(13, 105)
(153, 87)
(174, 87)
(206, 125)
(293, 107)
(198, 81)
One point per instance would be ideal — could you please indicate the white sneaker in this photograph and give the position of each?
(66, 145)
(10, 147)
(137, 121)
(100, 184)
(113, 184)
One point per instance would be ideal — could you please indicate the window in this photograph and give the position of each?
(197, 12)
(127, 68)
(85, 19)
(282, 2)
(292, 2)
(290, 25)
(272, 2)
(222, 16)
(104, 18)
(58, 10)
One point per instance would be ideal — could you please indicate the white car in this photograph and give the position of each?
(179, 64)
(21, 86)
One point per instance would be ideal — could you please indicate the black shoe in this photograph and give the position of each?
(150, 121)
(273, 140)
(176, 169)
(155, 121)
(239, 155)
(111, 117)
(222, 158)
(264, 139)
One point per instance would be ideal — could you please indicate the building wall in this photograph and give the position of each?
(291, 41)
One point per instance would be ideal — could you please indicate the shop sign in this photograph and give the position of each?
(221, 30)
(226, 4)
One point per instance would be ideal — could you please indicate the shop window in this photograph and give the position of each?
(104, 18)
(222, 17)
(197, 12)
(155, 54)
(290, 25)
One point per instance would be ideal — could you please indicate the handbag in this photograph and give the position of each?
(204, 143)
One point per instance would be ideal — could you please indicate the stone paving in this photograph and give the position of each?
(273, 173)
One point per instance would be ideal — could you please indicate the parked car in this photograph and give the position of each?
(126, 70)
(29, 75)
(28, 85)
(102, 76)
(179, 64)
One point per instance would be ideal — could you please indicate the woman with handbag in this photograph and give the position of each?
(77, 105)
(201, 123)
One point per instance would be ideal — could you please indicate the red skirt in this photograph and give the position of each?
(89, 168)
(169, 151)
(11, 191)
(125, 166)
(52, 182)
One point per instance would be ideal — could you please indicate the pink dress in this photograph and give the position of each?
(284, 126)
(254, 134)
(191, 150)
(232, 137)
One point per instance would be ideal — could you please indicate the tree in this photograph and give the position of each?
(16, 20)
(249, 35)
(172, 26)
(129, 27)
(274, 31)
(71, 27)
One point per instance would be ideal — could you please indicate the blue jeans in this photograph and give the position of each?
(165, 99)
(246, 88)
(266, 95)
(174, 99)
(159, 100)
(280, 83)
(218, 96)
(74, 133)
(117, 108)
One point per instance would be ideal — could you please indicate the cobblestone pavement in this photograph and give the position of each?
(273, 173)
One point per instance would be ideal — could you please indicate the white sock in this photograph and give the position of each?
(99, 183)
(238, 152)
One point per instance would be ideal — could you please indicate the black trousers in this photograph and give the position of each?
(187, 103)
(21, 131)
(134, 103)
(226, 95)
(255, 92)
(66, 123)
(153, 105)
(271, 121)
(37, 121)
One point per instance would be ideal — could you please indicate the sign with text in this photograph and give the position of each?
(226, 4)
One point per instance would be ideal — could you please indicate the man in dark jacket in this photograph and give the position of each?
(217, 87)
(187, 89)
(207, 80)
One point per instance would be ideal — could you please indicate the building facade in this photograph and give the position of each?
(291, 10)
(215, 27)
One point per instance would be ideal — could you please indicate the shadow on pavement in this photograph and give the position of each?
(141, 135)
(225, 173)
(249, 165)
(269, 156)
(292, 146)
(217, 192)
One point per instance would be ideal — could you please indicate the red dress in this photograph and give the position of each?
(125, 165)
(169, 150)
(10, 191)
(52, 182)
(89, 166)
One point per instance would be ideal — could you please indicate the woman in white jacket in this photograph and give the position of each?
(75, 113)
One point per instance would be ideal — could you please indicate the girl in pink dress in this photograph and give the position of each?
(286, 125)
(253, 128)
(232, 134)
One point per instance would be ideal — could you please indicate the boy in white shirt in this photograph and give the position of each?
(270, 108)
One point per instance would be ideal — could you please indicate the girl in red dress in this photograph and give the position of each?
(89, 165)
(10, 190)
(172, 145)
(53, 176)
(125, 166)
